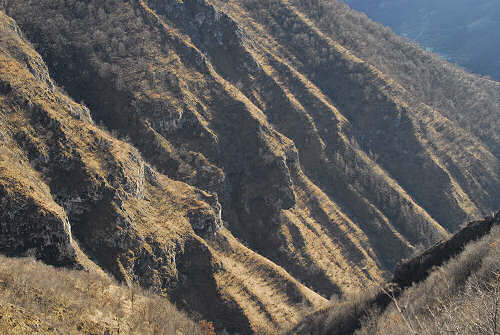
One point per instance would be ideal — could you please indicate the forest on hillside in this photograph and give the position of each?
(464, 32)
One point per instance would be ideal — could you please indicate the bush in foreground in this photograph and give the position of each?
(39, 299)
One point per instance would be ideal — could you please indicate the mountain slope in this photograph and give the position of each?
(461, 297)
(74, 195)
(469, 100)
(451, 287)
(38, 299)
(323, 168)
(462, 31)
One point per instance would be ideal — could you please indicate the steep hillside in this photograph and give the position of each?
(461, 297)
(470, 101)
(73, 195)
(255, 164)
(452, 287)
(462, 31)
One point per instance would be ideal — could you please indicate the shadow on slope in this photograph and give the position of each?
(425, 287)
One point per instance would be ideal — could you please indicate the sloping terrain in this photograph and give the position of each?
(39, 299)
(470, 101)
(453, 287)
(462, 297)
(324, 168)
(72, 194)
(462, 31)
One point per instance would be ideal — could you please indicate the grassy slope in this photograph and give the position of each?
(39, 299)
(455, 288)
(322, 163)
(460, 297)
(142, 233)
(208, 100)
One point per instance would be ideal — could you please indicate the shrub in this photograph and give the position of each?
(78, 302)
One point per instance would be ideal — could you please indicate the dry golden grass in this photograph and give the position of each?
(159, 216)
(278, 17)
(272, 298)
(461, 297)
(348, 202)
(39, 299)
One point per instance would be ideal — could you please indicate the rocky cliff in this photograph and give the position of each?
(232, 156)
(74, 195)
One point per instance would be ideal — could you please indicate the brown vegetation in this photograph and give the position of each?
(71, 191)
(324, 169)
(418, 70)
(39, 299)
(461, 296)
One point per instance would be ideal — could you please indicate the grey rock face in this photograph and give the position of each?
(28, 229)
(206, 221)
